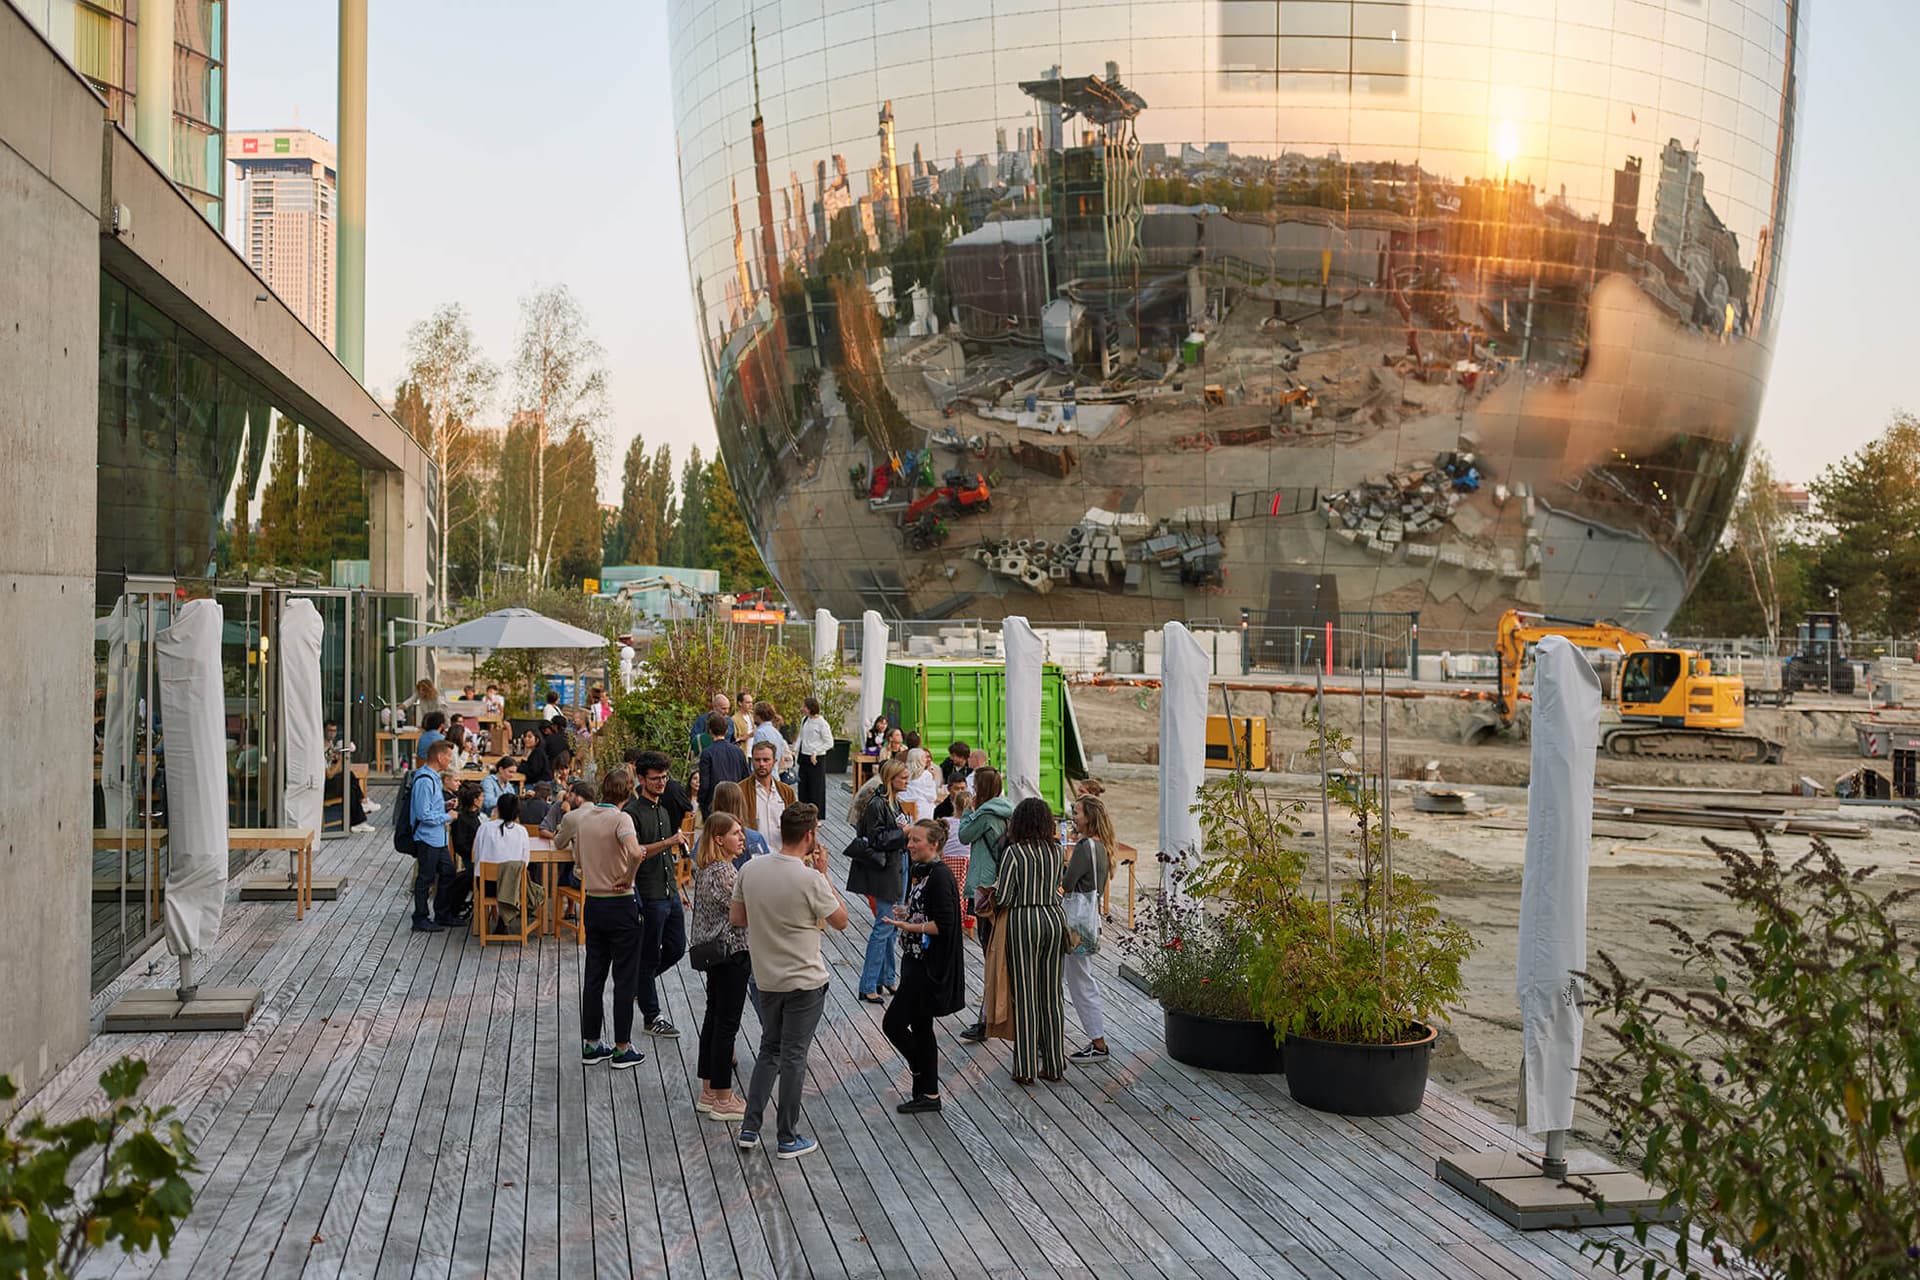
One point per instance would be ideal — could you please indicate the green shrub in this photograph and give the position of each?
(1773, 1091)
(140, 1195)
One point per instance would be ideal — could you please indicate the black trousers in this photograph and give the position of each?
(356, 814)
(726, 996)
(813, 785)
(909, 1025)
(663, 940)
(613, 946)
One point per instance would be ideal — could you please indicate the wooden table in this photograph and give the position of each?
(296, 842)
(541, 853)
(862, 762)
(383, 737)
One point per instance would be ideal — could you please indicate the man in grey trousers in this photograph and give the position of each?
(784, 902)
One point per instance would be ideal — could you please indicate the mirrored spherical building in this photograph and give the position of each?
(1189, 309)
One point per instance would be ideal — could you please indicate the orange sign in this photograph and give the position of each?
(759, 613)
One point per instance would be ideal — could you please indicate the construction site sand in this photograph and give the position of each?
(1475, 870)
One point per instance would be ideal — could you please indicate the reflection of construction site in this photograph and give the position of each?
(1091, 379)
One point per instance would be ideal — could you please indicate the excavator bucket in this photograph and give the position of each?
(1481, 728)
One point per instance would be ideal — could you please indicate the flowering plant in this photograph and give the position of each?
(1192, 960)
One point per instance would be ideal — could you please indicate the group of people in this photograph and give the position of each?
(759, 899)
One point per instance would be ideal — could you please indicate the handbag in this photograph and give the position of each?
(858, 850)
(710, 954)
(1083, 918)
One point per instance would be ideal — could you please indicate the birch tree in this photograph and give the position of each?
(560, 385)
(1761, 523)
(456, 380)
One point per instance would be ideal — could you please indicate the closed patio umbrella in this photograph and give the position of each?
(1183, 743)
(304, 753)
(826, 638)
(873, 671)
(1024, 660)
(192, 702)
(1553, 888)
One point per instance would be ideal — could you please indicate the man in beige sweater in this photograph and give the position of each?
(607, 852)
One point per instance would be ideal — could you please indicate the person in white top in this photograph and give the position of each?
(923, 785)
(501, 840)
(812, 750)
(769, 798)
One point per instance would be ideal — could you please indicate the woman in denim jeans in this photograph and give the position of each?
(884, 827)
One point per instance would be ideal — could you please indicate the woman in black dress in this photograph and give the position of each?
(933, 978)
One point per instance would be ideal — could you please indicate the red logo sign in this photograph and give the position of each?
(249, 146)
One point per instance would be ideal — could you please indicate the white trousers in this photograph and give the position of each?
(1085, 990)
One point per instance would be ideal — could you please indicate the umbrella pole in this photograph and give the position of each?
(1386, 826)
(1326, 812)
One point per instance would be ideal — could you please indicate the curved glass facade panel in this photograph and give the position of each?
(1169, 309)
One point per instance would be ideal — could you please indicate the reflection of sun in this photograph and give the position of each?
(1506, 141)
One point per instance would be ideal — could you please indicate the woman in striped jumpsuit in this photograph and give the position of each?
(1027, 900)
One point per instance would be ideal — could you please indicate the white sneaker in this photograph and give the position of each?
(371, 806)
(363, 828)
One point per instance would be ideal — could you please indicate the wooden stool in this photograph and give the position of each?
(485, 875)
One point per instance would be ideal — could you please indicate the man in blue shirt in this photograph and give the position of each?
(432, 864)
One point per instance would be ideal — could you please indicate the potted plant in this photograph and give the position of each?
(1209, 918)
(1356, 982)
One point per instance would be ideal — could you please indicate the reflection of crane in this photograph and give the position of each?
(1671, 704)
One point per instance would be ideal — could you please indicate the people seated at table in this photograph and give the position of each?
(495, 783)
(433, 728)
(551, 710)
(567, 793)
(533, 806)
(895, 747)
(955, 765)
(539, 762)
(876, 739)
(504, 840)
(495, 704)
(465, 826)
(457, 735)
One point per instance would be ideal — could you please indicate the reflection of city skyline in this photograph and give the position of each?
(1369, 372)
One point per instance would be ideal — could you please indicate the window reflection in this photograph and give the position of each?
(1463, 310)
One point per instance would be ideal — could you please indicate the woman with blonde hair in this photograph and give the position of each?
(923, 786)
(426, 700)
(878, 856)
(719, 949)
(1088, 869)
(728, 798)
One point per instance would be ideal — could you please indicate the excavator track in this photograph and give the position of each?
(1655, 743)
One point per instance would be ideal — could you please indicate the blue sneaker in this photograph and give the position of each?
(626, 1059)
(747, 1139)
(800, 1145)
(592, 1053)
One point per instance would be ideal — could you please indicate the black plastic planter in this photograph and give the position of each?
(1222, 1044)
(835, 761)
(1360, 1079)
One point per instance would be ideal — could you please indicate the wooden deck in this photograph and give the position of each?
(411, 1105)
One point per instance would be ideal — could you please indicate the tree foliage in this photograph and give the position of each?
(452, 380)
(139, 1196)
(560, 386)
(642, 532)
(729, 547)
(1773, 1090)
(1870, 501)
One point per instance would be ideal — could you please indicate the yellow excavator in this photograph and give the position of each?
(1672, 705)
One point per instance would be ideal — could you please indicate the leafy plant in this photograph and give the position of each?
(1376, 960)
(677, 677)
(138, 1202)
(1193, 958)
(1773, 1092)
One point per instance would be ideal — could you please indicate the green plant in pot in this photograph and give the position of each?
(1355, 983)
(1210, 917)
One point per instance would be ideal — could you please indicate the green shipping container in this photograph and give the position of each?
(967, 702)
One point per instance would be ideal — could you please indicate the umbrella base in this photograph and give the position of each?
(1512, 1186)
(280, 889)
(160, 1009)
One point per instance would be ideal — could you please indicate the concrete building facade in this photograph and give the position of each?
(142, 376)
(284, 218)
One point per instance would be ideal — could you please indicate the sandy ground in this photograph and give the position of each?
(1476, 870)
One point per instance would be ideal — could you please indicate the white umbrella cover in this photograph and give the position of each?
(302, 729)
(826, 638)
(1025, 655)
(873, 671)
(510, 629)
(1183, 741)
(122, 630)
(1553, 884)
(192, 699)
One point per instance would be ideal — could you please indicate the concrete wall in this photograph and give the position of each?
(50, 132)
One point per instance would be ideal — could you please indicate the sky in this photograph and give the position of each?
(506, 153)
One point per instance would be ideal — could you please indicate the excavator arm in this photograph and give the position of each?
(1518, 630)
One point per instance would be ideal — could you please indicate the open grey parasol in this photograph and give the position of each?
(510, 629)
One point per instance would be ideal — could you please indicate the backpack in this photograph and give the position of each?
(403, 815)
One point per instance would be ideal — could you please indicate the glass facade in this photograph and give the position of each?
(1170, 309)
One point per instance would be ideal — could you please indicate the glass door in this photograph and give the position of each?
(129, 844)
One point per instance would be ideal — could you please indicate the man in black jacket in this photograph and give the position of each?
(721, 762)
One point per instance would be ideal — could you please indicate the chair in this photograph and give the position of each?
(486, 876)
(576, 896)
